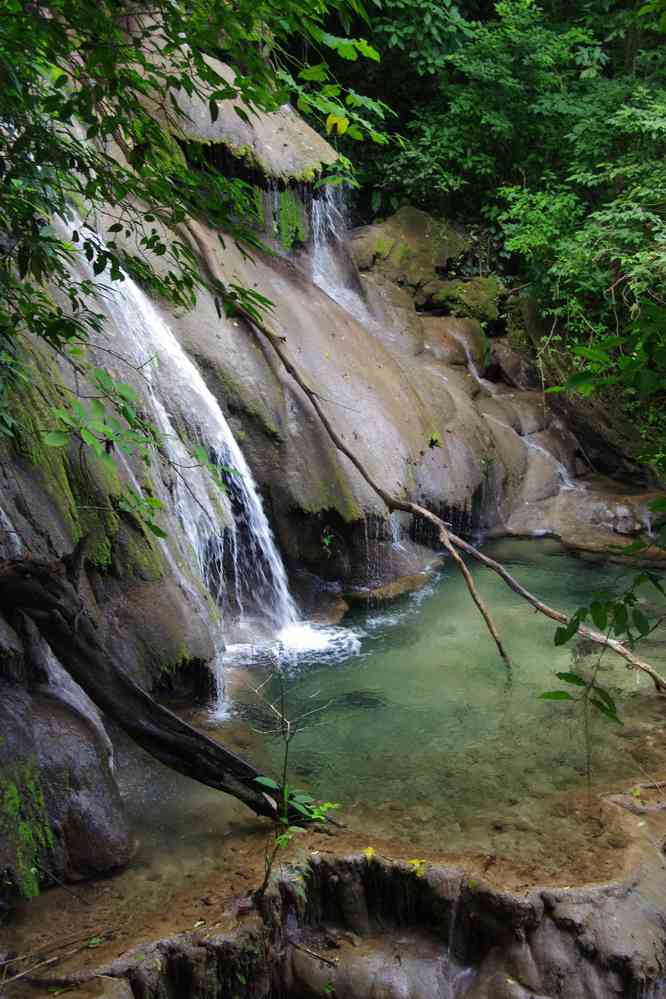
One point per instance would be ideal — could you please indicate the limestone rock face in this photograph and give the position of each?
(280, 145)
(514, 368)
(454, 341)
(393, 382)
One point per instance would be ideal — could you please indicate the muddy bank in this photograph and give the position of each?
(364, 927)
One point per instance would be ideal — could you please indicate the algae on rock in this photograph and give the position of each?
(24, 823)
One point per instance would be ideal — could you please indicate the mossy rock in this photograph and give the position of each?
(24, 824)
(410, 247)
(477, 298)
(278, 145)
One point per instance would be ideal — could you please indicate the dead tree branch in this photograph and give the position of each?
(449, 540)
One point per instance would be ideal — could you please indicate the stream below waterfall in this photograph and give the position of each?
(422, 736)
(411, 723)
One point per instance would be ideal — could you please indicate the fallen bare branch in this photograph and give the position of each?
(452, 541)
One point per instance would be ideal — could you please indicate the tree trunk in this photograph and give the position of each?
(48, 595)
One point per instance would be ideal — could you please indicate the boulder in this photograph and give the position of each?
(410, 247)
(454, 341)
(61, 816)
(394, 319)
(513, 366)
(279, 145)
(475, 298)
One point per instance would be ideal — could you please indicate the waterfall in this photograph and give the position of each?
(562, 471)
(565, 479)
(332, 267)
(260, 580)
(223, 533)
(11, 544)
(471, 364)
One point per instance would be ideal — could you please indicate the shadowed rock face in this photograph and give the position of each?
(69, 821)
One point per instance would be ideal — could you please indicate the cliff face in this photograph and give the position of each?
(397, 348)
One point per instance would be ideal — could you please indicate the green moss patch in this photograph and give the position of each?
(477, 298)
(24, 822)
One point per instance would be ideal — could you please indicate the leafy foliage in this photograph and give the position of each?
(549, 122)
(93, 94)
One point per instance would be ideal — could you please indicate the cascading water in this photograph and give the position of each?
(332, 268)
(228, 533)
(472, 366)
(565, 479)
(259, 575)
(11, 545)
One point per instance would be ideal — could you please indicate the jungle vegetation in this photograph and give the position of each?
(543, 126)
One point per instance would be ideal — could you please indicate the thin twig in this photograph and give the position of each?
(312, 953)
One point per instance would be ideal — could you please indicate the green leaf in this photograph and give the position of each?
(640, 621)
(582, 383)
(337, 122)
(299, 807)
(592, 353)
(573, 678)
(156, 529)
(89, 438)
(126, 392)
(267, 782)
(599, 613)
(557, 695)
(317, 73)
(606, 698)
(103, 379)
(56, 438)
(563, 635)
(605, 711)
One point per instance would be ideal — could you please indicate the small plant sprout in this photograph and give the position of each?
(327, 538)
(290, 803)
(621, 617)
(435, 439)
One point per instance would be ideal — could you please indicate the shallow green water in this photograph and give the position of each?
(423, 727)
